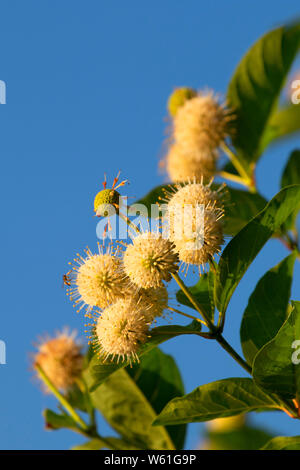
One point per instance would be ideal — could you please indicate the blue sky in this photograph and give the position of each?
(87, 84)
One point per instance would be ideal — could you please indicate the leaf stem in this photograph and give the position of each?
(248, 181)
(129, 223)
(232, 177)
(194, 302)
(213, 329)
(186, 315)
(225, 345)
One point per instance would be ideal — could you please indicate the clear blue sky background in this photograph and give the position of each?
(87, 84)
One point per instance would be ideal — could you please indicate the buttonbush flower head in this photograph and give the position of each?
(61, 359)
(194, 193)
(182, 164)
(154, 301)
(150, 260)
(178, 98)
(120, 330)
(98, 279)
(201, 123)
(194, 217)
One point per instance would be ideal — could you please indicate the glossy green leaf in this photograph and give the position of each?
(267, 308)
(203, 292)
(282, 123)
(158, 377)
(128, 411)
(243, 248)
(219, 399)
(256, 84)
(274, 368)
(241, 206)
(283, 443)
(101, 370)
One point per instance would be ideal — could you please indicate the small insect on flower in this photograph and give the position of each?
(194, 218)
(98, 279)
(61, 359)
(150, 260)
(67, 279)
(119, 331)
(109, 201)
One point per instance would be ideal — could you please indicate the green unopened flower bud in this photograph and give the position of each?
(107, 202)
(178, 98)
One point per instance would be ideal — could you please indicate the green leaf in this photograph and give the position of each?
(158, 377)
(256, 84)
(127, 410)
(219, 399)
(97, 444)
(93, 444)
(291, 172)
(267, 307)
(283, 443)
(282, 123)
(241, 206)
(291, 175)
(243, 438)
(202, 292)
(101, 370)
(54, 421)
(243, 248)
(274, 369)
(77, 398)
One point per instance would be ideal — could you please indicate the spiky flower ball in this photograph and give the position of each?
(61, 359)
(150, 260)
(154, 301)
(194, 216)
(201, 123)
(178, 98)
(182, 165)
(120, 330)
(97, 280)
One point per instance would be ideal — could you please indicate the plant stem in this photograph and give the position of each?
(64, 402)
(240, 168)
(213, 329)
(234, 178)
(129, 223)
(186, 315)
(194, 302)
(225, 345)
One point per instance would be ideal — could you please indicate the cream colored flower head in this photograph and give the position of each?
(61, 359)
(194, 218)
(150, 260)
(153, 301)
(98, 279)
(183, 164)
(201, 123)
(120, 330)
